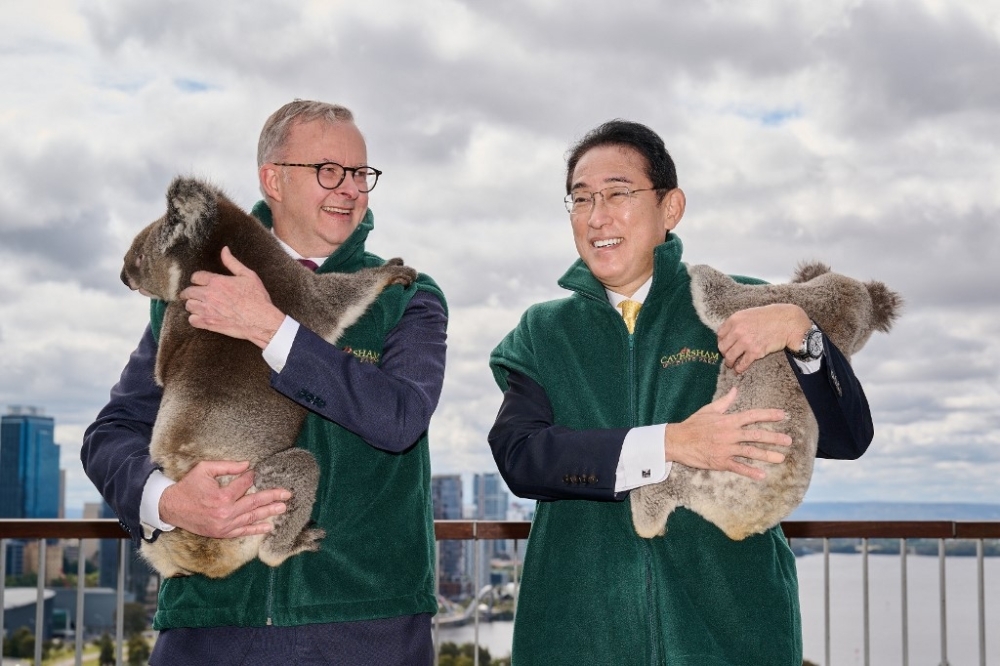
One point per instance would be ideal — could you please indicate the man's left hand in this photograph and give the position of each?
(754, 333)
(236, 305)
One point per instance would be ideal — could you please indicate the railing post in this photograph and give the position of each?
(120, 601)
(826, 600)
(475, 595)
(944, 605)
(864, 601)
(437, 595)
(517, 588)
(3, 582)
(904, 603)
(81, 576)
(40, 603)
(981, 580)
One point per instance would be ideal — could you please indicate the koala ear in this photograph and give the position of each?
(192, 206)
(806, 271)
(886, 305)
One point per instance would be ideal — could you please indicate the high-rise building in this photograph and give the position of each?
(15, 559)
(491, 499)
(29, 465)
(446, 491)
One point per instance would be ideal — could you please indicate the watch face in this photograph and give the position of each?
(815, 345)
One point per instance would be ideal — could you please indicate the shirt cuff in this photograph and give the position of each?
(812, 365)
(642, 461)
(277, 350)
(149, 507)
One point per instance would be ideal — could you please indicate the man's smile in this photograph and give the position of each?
(606, 242)
(336, 211)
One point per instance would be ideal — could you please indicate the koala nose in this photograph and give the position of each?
(125, 280)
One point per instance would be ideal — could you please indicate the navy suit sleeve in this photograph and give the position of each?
(839, 405)
(542, 461)
(388, 405)
(115, 451)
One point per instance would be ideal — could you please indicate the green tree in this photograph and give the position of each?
(20, 644)
(107, 646)
(134, 619)
(138, 650)
(451, 654)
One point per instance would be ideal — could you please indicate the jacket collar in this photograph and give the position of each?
(347, 257)
(666, 261)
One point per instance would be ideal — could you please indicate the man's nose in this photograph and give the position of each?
(348, 188)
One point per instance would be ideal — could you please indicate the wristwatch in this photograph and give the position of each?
(812, 345)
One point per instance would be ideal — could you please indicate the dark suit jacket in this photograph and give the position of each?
(543, 461)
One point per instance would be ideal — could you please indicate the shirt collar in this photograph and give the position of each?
(639, 296)
(295, 255)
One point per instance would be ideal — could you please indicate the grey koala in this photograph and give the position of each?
(217, 401)
(847, 311)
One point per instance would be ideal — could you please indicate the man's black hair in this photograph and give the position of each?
(659, 165)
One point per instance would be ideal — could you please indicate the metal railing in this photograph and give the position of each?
(517, 531)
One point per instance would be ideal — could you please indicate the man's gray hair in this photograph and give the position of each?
(276, 129)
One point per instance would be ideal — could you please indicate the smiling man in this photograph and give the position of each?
(367, 596)
(603, 391)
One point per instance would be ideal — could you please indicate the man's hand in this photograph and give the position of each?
(197, 503)
(236, 305)
(754, 333)
(712, 439)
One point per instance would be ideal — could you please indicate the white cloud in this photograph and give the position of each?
(861, 133)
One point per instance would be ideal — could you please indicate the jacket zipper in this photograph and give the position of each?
(647, 558)
(270, 595)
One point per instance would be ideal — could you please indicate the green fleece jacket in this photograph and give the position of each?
(594, 592)
(377, 559)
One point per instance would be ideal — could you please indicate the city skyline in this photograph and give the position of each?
(31, 480)
(861, 133)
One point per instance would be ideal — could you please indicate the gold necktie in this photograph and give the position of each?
(630, 310)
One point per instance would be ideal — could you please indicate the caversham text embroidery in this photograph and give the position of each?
(690, 356)
(364, 355)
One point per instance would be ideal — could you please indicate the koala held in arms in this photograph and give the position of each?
(217, 400)
(847, 311)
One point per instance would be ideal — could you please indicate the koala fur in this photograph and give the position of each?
(217, 401)
(847, 311)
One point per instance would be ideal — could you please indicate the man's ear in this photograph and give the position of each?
(270, 181)
(673, 205)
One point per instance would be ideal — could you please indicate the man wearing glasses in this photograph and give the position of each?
(603, 391)
(367, 596)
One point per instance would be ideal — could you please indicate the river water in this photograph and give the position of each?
(847, 608)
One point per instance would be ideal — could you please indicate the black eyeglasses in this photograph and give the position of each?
(330, 175)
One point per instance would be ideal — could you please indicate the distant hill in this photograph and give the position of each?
(895, 511)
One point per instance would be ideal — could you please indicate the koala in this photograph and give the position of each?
(847, 311)
(217, 401)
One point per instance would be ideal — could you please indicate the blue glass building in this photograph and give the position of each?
(447, 497)
(29, 465)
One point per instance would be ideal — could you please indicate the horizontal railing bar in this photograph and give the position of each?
(481, 529)
(874, 529)
(977, 530)
(58, 528)
(108, 528)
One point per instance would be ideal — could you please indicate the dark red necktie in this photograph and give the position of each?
(311, 265)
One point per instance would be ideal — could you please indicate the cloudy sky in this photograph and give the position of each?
(858, 132)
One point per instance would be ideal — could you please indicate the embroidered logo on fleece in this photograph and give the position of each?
(364, 355)
(687, 355)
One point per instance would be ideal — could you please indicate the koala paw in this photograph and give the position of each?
(308, 540)
(398, 273)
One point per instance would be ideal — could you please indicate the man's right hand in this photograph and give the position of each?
(712, 439)
(198, 504)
